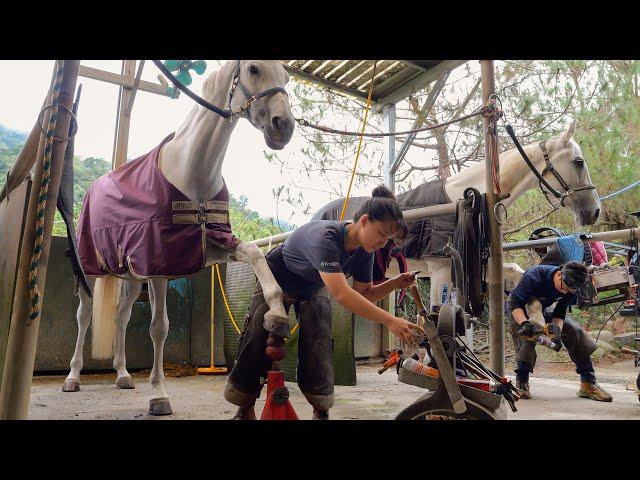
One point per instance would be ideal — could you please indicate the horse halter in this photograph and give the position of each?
(578, 161)
(228, 113)
(249, 99)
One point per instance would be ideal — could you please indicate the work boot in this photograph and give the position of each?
(245, 413)
(594, 391)
(525, 393)
(320, 414)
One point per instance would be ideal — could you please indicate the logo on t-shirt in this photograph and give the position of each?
(330, 264)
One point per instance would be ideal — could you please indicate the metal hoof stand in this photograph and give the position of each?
(277, 406)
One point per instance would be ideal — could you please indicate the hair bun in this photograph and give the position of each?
(382, 191)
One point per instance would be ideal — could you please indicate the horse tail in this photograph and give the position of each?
(105, 303)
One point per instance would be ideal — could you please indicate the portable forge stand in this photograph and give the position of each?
(277, 406)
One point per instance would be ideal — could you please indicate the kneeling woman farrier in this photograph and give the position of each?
(314, 262)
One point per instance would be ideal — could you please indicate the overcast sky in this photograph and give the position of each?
(23, 85)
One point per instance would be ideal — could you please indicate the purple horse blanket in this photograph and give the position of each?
(133, 220)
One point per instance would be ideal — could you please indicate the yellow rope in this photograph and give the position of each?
(346, 199)
(364, 124)
(355, 164)
(224, 297)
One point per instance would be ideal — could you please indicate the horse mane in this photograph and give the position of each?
(210, 83)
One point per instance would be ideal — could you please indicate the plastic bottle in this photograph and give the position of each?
(445, 293)
(417, 367)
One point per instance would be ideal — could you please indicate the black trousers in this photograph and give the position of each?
(578, 342)
(315, 347)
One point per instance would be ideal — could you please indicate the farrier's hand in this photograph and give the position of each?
(527, 329)
(405, 280)
(406, 331)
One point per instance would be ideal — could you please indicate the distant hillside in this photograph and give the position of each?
(247, 224)
(11, 139)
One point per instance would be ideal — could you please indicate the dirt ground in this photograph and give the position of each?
(375, 397)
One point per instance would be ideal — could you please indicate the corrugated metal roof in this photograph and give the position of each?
(394, 80)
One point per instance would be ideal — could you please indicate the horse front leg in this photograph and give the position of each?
(129, 292)
(159, 403)
(83, 317)
(276, 319)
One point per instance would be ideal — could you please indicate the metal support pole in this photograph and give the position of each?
(426, 108)
(21, 346)
(389, 121)
(389, 340)
(495, 277)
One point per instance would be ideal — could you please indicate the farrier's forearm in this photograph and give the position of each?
(519, 316)
(381, 290)
(361, 305)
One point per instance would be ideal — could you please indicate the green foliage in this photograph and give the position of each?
(247, 224)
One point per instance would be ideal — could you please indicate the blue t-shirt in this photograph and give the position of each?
(318, 246)
(537, 282)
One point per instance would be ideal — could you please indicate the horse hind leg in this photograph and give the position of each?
(129, 292)
(159, 403)
(276, 319)
(83, 317)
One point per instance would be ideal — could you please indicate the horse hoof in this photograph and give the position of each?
(125, 383)
(277, 325)
(71, 386)
(160, 406)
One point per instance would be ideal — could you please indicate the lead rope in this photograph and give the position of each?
(34, 293)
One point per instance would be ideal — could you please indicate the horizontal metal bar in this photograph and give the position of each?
(409, 216)
(122, 81)
(544, 242)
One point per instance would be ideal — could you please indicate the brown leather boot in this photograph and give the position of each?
(320, 414)
(525, 393)
(245, 413)
(593, 391)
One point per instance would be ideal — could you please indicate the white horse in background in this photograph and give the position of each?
(192, 162)
(516, 178)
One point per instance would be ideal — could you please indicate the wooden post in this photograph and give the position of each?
(21, 347)
(124, 119)
(495, 277)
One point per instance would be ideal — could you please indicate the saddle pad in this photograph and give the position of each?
(128, 224)
(425, 237)
(571, 248)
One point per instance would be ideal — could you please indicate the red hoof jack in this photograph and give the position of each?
(277, 406)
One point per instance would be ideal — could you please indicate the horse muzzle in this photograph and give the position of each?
(278, 132)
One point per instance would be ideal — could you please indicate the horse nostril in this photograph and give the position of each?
(597, 214)
(276, 122)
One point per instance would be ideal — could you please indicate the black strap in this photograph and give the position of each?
(511, 133)
(201, 101)
(549, 166)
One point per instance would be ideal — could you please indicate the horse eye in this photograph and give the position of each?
(579, 161)
(253, 70)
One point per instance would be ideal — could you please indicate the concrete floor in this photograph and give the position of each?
(376, 397)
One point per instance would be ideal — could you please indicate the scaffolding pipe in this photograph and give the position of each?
(627, 234)
(409, 216)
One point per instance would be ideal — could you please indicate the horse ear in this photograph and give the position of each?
(568, 134)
